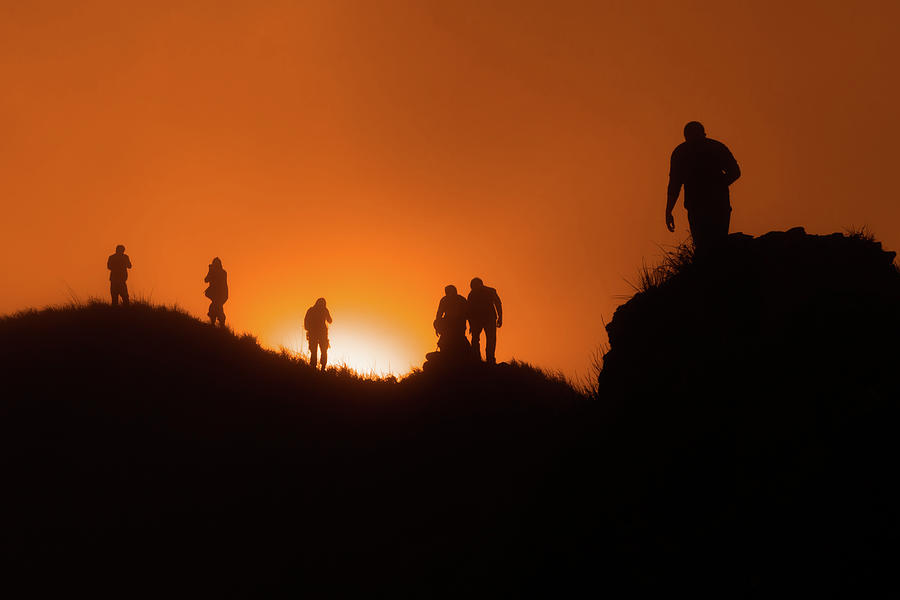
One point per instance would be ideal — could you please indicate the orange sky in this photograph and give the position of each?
(372, 152)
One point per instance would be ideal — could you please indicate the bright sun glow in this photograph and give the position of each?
(366, 349)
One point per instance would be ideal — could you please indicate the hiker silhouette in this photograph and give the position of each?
(316, 324)
(485, 314)
(217, 292)
(450, 322)
(705, 167)
(118, 265)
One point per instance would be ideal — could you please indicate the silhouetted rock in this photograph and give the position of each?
(784, 307)
(444, 360)
(755, 395)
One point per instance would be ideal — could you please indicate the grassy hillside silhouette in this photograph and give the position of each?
(145, 441)
(740, 443)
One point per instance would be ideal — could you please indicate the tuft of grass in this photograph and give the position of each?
(674, 261)
(862, 233)
(552, 376)
(588, 385)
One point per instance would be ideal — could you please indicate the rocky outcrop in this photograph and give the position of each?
(755, 402)
(454, 353)
(783, 310)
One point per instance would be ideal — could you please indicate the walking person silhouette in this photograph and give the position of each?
(705, 167)
(118, 265)
(316, 324)
(217, 292)
(485, 314)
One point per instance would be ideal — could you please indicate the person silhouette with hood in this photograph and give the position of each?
(217, 292)
(485, 314)
(705, 167)
(118, 265)
(316, 324)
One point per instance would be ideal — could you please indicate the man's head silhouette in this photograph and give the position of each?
(450, 290)
(120, 249)
(694, 131)
(320, 302)
(476, 283)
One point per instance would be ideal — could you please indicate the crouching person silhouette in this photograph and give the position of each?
(316, 324)
(485, 315)
(705, 167)
(217, 292)
(450, 323)
(118, 265)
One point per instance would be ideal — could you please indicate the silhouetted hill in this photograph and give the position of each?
(139, 443)
(741, 443)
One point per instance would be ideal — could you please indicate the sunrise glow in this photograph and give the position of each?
(356, 342)
(372, 153)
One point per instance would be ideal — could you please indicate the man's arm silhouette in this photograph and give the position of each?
(730, 167)
(499, 307)
(676, 179)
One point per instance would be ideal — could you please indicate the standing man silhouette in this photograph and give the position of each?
(118, 265)
(485, 314)
(316, 324)
(705, 167)
(217, 292)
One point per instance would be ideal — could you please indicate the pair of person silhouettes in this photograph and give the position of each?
(705, 168)
(316, 324)
(482, 310)
(217, 278)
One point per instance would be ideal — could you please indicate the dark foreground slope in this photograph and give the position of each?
(742, 443)
(141, 445)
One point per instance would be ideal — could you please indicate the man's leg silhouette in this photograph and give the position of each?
(476, 340)
(117, 290)
(708, 228)
(216, 312)
(490, 343)
(317, 348)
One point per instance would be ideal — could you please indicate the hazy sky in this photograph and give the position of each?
(372, 152)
